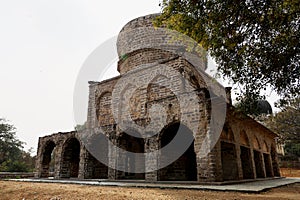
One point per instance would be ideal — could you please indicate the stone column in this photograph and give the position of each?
(112, 160)
(151, 160)
(82, 168)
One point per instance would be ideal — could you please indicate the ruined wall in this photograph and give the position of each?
(245, 149)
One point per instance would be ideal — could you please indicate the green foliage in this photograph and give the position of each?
(248, 104)
(292, 150)
(255, 43)
(12, 156)
(287, 124)
(80, 127)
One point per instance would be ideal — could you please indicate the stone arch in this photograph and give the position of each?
(244, 139)
(227, 134)
(185, 167)
(229, 161)
(245, 156)
(157, 91)
(103, 109)
(265, 147)
(258, 158)
(191, 75)
(267, 159)
(133, 103)
(96, 157)
(256, 144)
(48, 159)
(131, 162)
(164, 96)
(70, 158)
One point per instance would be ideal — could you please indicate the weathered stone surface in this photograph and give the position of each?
(244, 150)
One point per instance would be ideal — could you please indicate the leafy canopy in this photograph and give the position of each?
(12, 156)
(287, 124)
(255, 42)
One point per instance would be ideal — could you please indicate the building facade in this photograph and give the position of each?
(244, 149)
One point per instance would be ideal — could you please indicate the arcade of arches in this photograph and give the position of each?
(245, 149)
(237, 156)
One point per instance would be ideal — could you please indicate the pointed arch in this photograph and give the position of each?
(103, 109)
(70, 158)
(245, 156)
(48, 159)
(256, 144)
(244, 139)
(131, 162)
(185, 167)
(227, 134)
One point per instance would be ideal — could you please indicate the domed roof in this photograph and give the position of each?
(140, 33)
(264, 107)
(144, 21)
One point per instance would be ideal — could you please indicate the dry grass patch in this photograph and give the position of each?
(24, 190)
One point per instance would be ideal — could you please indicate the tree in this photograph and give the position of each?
(12, 156)
(80, 127)
(9, 145)
(287, 124)
(255, 43)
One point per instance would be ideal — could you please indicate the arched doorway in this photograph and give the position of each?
(185, 167)
(48, 156)
(96, 157)
(245, 156)
(228, 154)
(70, 159)
(130, 162)
(275, 165)
(258, 158)
(267, 160)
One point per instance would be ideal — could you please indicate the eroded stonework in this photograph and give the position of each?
(244, 150)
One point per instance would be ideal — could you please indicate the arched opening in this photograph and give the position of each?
(96, 155)
(268, 166)
(258, 159)
(48, 157)
(229, 161)
(245, 156)
(258, 164)
(185, 167)
(130, 162)
(228, 154)
(275, 165)
(267, 160)
(103, 109)
(70, 159)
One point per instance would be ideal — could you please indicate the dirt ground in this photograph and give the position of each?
(23, 191)
(288, 172)
(18, 190)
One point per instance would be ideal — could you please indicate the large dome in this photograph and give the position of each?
(264, 107)
(140, 34)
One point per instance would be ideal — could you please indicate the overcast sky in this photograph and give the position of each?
(43, 45)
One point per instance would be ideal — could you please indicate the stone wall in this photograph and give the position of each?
(159, 87)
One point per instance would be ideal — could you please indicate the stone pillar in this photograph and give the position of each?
(239, 162)
(112, 160)
(253, 163)
(218, 162)
(58, 160)
(38, 162)
(151, 160)
(82, 168)
(263, 164)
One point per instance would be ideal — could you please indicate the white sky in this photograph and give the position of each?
(43, 44)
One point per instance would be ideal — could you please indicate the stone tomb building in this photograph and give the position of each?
(245, 149)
